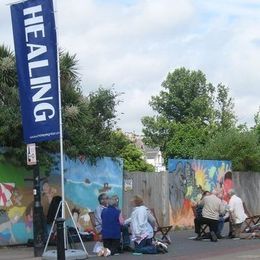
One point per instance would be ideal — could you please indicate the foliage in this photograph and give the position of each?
(156, 131)
(197, 120)
(184, 138)
(132, 156)
(186, 94)
(89, 125)
(10, 118)
(241, 146)
(88, 121)
(225, 116)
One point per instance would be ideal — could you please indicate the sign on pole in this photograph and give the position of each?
(36, 59)
(31, 154)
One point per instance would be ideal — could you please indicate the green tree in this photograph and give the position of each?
(225, 115)
(185, 95)
(10, 118)
(156, 131)
(184, 137)
(239, 145)
(88, 121)
(132, 156)
(189, 111)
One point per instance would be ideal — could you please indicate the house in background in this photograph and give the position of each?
(152, 156)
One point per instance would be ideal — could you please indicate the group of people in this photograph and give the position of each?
(214, 211)
(114, 230)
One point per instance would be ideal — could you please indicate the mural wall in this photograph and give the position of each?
(15, 205)
(188, 179)
(83, 183)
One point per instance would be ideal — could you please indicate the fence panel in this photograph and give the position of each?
(153, 187)
(247, 186)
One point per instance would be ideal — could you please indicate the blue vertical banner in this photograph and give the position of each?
(36, 59)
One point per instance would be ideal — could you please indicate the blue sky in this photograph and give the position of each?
(134, 44)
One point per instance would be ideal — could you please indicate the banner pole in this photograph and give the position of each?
(60, 116)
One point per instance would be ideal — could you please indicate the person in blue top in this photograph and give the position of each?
(111, 226)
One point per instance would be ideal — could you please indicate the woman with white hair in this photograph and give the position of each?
(141, 223)
(237, 213)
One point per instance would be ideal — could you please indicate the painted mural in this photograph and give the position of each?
(188, 179)
(15, 205)
(83, 183)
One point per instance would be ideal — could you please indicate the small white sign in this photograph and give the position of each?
(128, 184)
(31, 154)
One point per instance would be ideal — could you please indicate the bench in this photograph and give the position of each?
(164, 230)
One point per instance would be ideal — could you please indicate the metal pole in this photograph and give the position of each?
(60, 239)
(61, 128)
(60, 119)
(38, 225)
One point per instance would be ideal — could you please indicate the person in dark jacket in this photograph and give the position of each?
(111, 226)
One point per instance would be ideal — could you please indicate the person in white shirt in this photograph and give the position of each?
(141, 224)
(237, 213)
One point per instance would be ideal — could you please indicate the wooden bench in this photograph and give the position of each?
(164, 230)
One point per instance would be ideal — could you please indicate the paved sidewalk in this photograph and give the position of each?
(181, 248)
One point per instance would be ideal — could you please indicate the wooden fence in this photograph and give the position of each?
(247, 186)
(154, 189)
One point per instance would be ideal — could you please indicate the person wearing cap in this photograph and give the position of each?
(141, 224)
(237, 213)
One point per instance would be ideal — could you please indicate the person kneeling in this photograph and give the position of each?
(141, 222)
(111, 226)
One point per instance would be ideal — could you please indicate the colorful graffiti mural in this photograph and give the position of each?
(83, 183)
(15, 205)
(188, 179)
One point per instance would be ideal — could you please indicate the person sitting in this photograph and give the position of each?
(237, 213)
(212, 208)
(111, 226)
(141, 222)
(197, 210)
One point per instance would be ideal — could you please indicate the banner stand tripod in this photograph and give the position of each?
(37, 58)
(63, 251)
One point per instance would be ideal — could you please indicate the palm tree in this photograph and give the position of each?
(8, 77)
